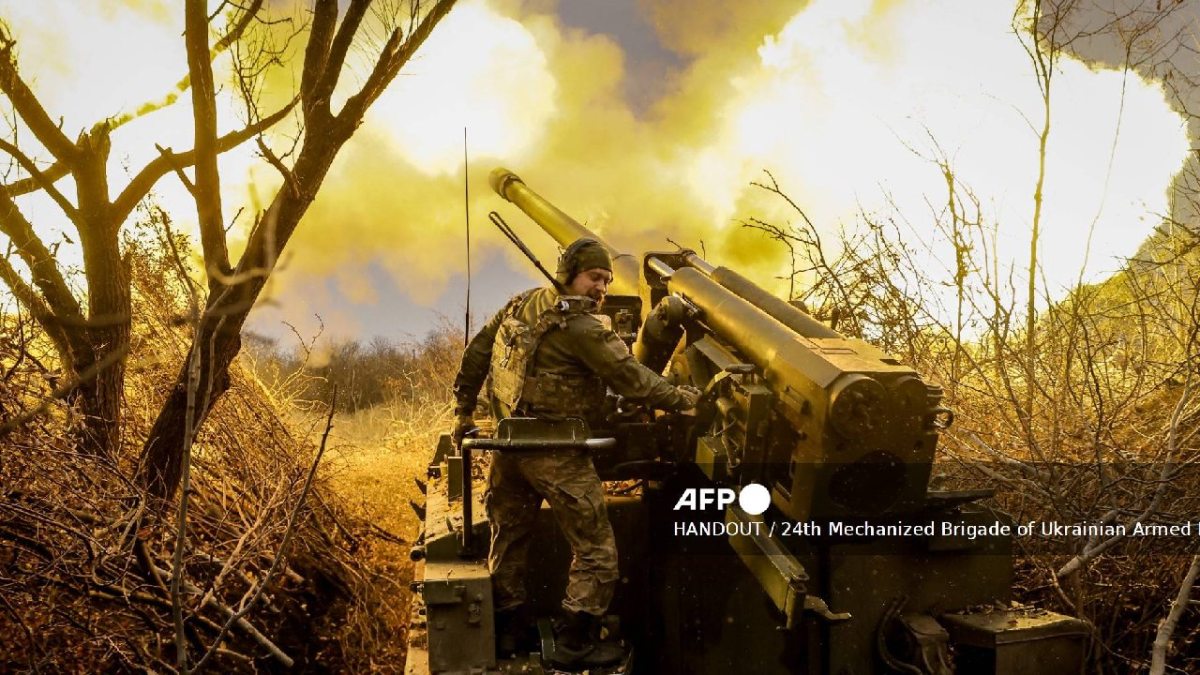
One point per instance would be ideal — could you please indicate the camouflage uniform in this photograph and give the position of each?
(549, 358)
(567, 480)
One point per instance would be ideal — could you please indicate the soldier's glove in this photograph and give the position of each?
(691, 395)
(462, 425)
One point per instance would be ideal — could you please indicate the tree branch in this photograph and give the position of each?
(41, 179)
(204, 113)
(336, 57)
(29, 108)
(159, 166)
(46, 275)
(288, 177)
(1162, 639)
(287, 537)
(177, 168)
(241, 622)
(1166, 474)
(63, 389)
(316, 56)
(395, 54)
(185, 82)
(26, 185)
(37, 307)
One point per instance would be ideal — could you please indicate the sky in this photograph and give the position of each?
(649, 120)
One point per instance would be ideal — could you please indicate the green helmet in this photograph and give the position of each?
(582, 254)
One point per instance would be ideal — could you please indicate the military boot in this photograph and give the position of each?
(577, 643)
(514, 631)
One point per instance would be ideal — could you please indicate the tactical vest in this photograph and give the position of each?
(515, 382)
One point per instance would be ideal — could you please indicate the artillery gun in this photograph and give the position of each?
(855, 566)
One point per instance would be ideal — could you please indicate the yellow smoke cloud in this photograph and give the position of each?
(481, 71)
(87, 62)
(847, 103)
(851, 99)
(842, 100)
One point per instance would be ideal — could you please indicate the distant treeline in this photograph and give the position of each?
(365, 373)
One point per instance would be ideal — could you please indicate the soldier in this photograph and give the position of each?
(550, 357)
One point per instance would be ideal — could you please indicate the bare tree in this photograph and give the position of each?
(91, 331)
(232, 295)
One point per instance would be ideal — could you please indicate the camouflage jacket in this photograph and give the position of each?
(572, 359)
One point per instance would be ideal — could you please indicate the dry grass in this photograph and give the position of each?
(376, 461)
(83, 561)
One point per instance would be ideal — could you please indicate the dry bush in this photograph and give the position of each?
(1093, 420)
(366, 374)
(85, 558)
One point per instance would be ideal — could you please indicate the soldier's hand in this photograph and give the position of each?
(690, 394)
(462, 424)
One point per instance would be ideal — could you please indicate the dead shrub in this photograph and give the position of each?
(85, 558)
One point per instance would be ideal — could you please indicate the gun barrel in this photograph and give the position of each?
(760, 336)
(751, 292)
(563, 228)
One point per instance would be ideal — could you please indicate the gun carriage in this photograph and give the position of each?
(834, 429)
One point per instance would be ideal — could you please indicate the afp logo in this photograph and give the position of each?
(754, 498)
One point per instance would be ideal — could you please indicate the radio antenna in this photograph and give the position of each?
(467, 210)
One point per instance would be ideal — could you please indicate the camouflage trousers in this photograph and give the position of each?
(517, 484)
